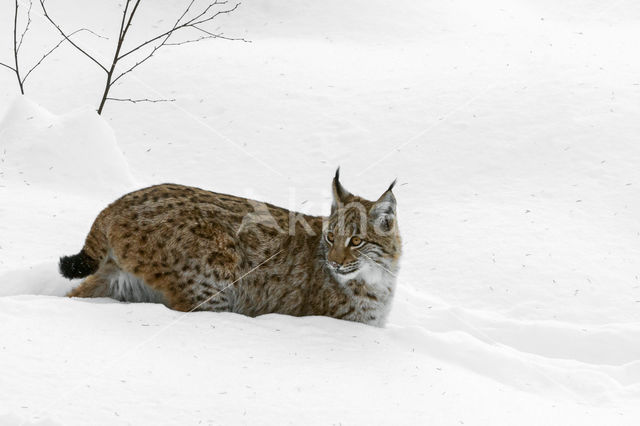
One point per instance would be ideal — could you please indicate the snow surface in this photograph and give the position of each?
(512, 127)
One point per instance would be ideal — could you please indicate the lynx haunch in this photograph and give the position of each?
(192, 249)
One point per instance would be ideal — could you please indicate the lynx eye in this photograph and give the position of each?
(355, 241)
(330, 237)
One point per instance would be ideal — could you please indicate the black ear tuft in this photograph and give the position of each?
(392, 184)
(339, 193)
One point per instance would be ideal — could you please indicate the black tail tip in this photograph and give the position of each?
(77, 266)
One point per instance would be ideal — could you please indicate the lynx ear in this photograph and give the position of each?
(339, 193)
(383, 211)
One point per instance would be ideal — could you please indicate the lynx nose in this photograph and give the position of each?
(333, 264)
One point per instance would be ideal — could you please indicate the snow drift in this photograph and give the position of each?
(76, 152)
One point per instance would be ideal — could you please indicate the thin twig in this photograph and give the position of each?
(135, 101)
(184, 13)
(169, 33)
(190, 23)
(163, 43)
(46, 15)
(221, 12)
(124, 28)
(124, 32)
(124, 16)
(26, 28)
(194, 40)
(5, 65)
(206, 14)
(220, 35)
(15, 48)
(54, 48)
(134, 66)
(91, 32)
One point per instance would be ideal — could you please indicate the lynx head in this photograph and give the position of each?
(361, 236)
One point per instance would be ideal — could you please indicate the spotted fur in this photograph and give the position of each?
(193, 249)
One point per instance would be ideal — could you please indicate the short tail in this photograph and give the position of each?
(78, 266)
(93, 252)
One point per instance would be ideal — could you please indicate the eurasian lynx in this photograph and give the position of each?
(193, 249)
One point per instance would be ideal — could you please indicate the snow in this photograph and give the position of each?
(76, 152)
(512, 127)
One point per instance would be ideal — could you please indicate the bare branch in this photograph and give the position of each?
(121, 35)
(54, 48)
(194, 40)
(190, 23)
(166, 34)
(46, 15)
(220, 35)
(124, 28)
(135, 101)
(26, 28)
(5, 65)
(206, 10)
(184, 13)
(221, 12)
(90, 32)
(124, 16)
(207, 13)
(15, 47)
(163, 43)
(123, 32)
(122, 74)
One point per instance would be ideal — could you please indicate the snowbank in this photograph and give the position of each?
(39, 279)
(151, 365)
(75, 152)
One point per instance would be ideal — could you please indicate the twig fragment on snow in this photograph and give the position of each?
(135, 101)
